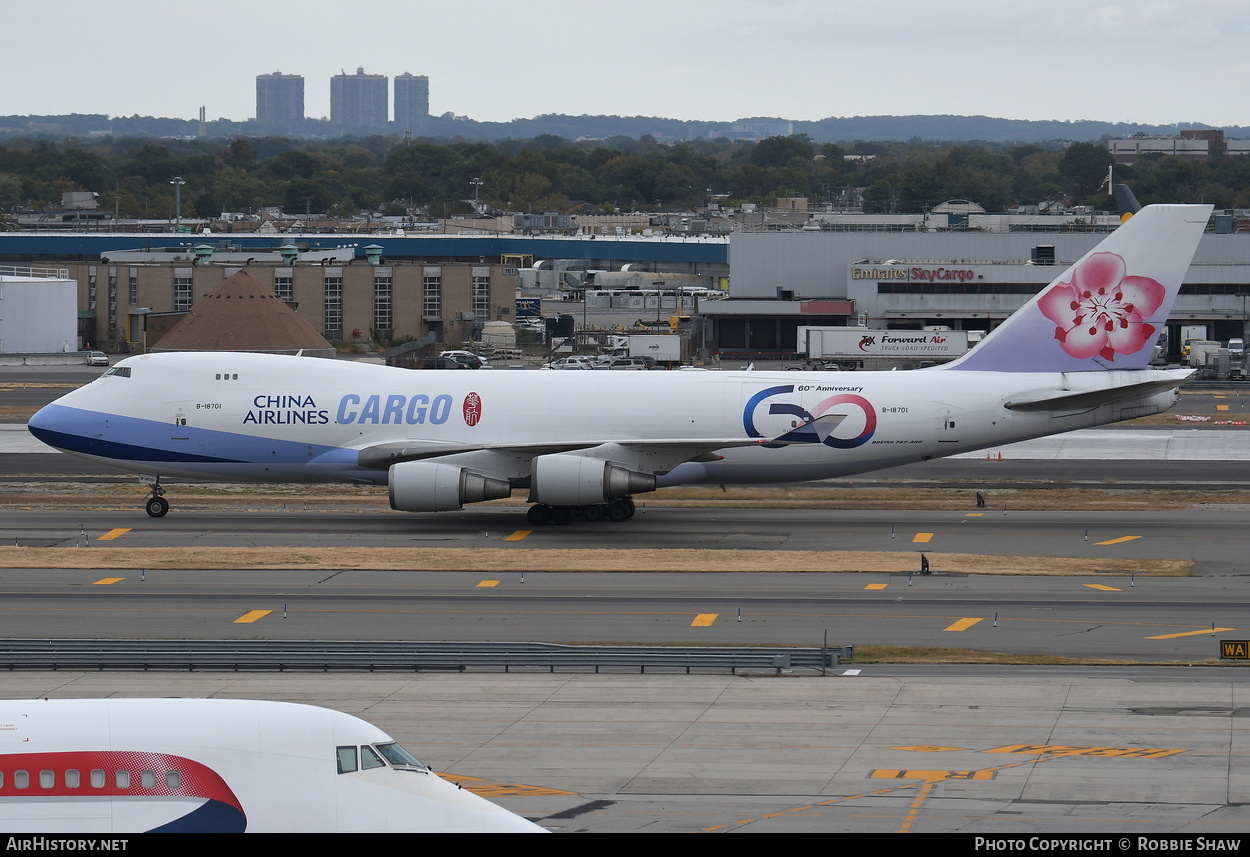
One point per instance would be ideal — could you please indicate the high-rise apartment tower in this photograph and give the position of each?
(280, 102)
(412, 102)
(358, 102)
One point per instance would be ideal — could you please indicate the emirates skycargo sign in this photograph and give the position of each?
(916, 273)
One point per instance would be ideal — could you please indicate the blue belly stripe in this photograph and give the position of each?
(89, 433)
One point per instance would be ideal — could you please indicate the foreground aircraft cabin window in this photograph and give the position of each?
(123, 779)
(369, 759)
(97, 778)
(347, 760)
(72, 779)
(173, 780)
(398, 756)
(47, 779)
(21, 780)
(147, 779)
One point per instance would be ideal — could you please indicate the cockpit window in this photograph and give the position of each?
(119, 371)
(347, 759)
(370, 759)
(398, 756)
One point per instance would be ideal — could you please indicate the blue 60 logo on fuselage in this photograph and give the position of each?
(806, 433)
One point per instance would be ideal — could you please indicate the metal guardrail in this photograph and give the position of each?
(316, 655)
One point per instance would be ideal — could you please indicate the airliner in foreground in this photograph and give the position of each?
(584, 443)
(218, 765)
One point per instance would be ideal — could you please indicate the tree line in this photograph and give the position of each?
(434, 178)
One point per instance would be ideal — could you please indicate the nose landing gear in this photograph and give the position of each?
(156, 505)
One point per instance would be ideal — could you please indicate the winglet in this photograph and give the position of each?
(1106, 311)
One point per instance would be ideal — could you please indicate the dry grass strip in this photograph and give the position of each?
(505, 559)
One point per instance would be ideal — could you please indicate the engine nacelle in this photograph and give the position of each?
(427, 486)
(579, 480)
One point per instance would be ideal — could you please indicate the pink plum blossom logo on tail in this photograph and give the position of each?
(1102, 311)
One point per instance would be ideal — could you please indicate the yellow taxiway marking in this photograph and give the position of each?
(927, 748)
(486, 788)
(106, 580)
(922, 537)
(1117, 541)
(1064, 750)
(933, 776)
(1101, 586)
(876, 586)
(488, 583)
(112, 534)
(517, 536)
(974, 514)
(1221, 407)
(251, 616)
(1191, 633)
(962, 625)
(704, 620)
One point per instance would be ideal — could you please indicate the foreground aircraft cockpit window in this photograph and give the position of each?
(119, 371)
(398, 756)
(347, 760)
(371, 757)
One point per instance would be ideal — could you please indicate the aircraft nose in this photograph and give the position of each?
(54, 425)
(42, 424)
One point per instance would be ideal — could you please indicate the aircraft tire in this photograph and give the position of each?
(562, 515)
(157, 507)
(619, 511)
(594, 514)
(538, 514)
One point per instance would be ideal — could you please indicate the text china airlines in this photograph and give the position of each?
(376, 409)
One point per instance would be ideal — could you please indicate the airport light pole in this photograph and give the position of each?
(177, 183)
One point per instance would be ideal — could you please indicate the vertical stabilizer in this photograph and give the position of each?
(1106, 311)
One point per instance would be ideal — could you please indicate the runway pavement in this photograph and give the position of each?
(1142, 753)
(1102, 617)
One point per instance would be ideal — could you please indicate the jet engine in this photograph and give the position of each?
(579, 480)
(427, 486)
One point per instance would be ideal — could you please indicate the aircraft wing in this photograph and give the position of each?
(672, 451)
(381, 456)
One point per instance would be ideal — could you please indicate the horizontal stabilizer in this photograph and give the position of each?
(1094, 398)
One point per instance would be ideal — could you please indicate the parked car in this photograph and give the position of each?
(97, 358)
(571, 363)
(440, 363)
(643, 363)
(467, 359)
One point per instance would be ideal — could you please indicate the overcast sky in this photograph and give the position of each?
(1144, 61)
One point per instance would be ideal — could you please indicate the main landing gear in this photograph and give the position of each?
(615, 511)
(156, 505)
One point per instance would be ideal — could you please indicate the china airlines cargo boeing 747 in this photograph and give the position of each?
(583, 443)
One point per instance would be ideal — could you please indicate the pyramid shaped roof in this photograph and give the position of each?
(241, 314)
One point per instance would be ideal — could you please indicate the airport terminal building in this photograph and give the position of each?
(889, 276)
(912, 280)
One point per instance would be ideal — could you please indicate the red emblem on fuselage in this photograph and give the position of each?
(472, 409)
